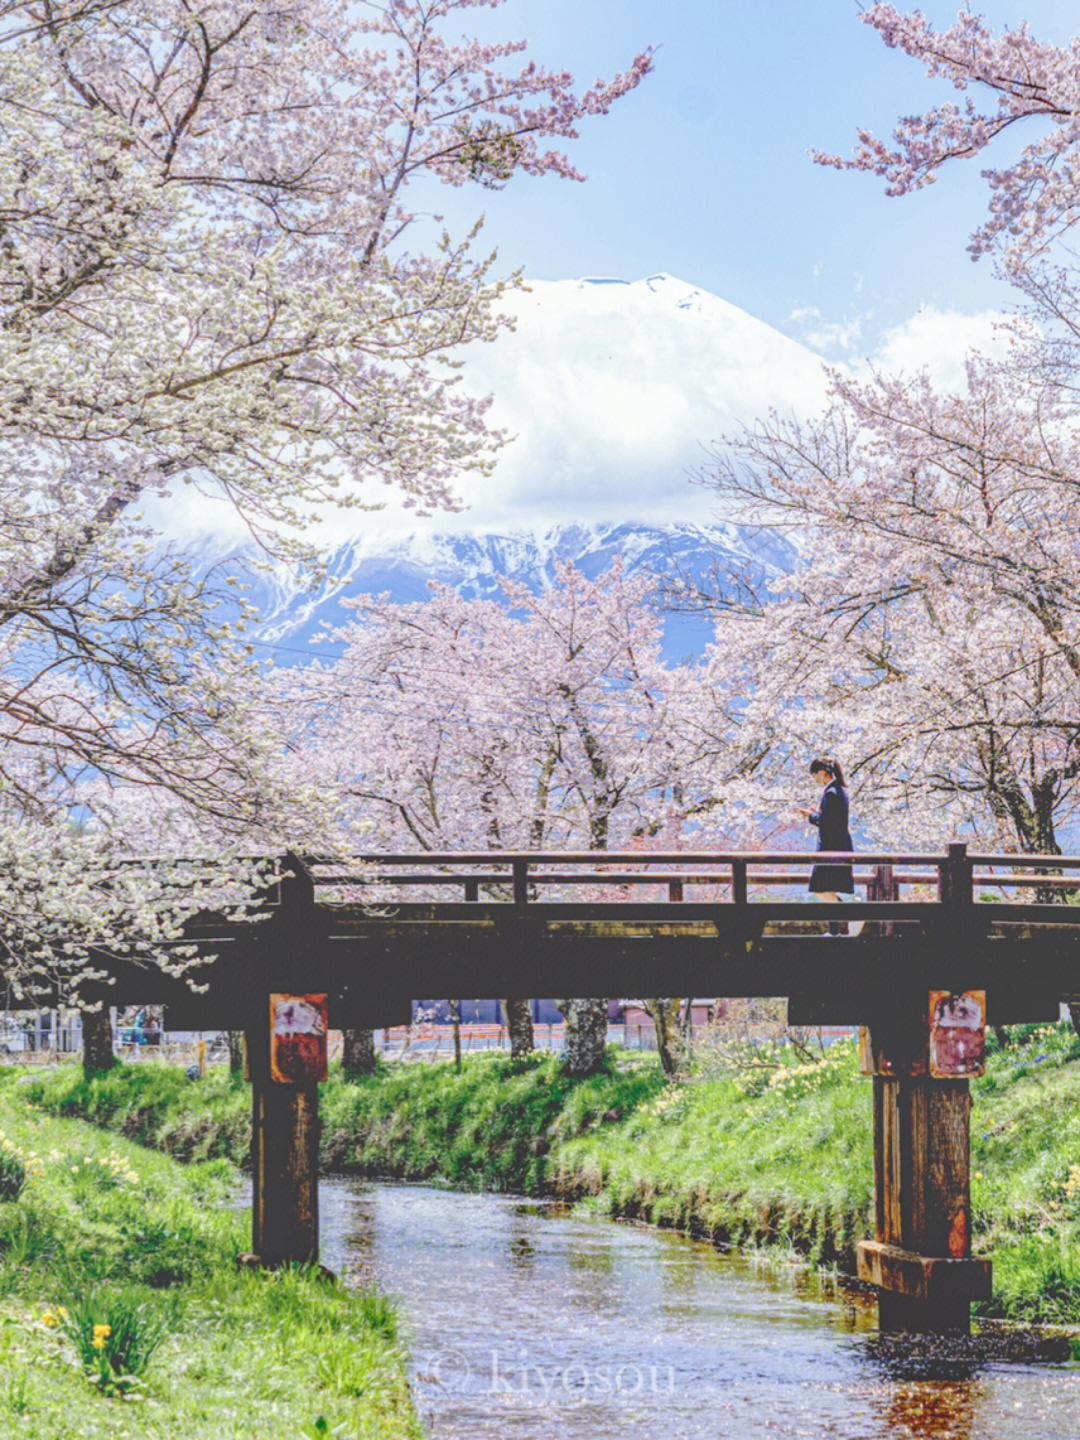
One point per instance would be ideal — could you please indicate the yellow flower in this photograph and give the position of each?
(101, 1334)
(978, 1175)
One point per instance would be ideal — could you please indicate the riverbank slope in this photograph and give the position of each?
(775, 1155)
(123, 1312)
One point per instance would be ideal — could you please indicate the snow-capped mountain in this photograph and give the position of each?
(614, 393)
(611, 394)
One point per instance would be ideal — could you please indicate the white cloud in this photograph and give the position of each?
(939, 341)
(834, 335)
(828, 336)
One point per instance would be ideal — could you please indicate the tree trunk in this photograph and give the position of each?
(455, 1017)
(586, 1035)
(97, 1041)
(358, 1056)
(669, 1043)
(236, 1051)
(519, 1027)
(688, 1021)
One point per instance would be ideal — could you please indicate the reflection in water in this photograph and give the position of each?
(933, 1410)
(521, 1253)
(528, 1323)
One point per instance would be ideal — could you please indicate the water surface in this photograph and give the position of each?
(528, 1323)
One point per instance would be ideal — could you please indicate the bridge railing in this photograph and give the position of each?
(527, 879)
(891, 884)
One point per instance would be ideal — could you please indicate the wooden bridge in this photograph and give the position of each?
(964, 931)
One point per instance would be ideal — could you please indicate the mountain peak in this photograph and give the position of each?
(612, 393)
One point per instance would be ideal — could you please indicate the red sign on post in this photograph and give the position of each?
(298, 1033)
(957, 1034)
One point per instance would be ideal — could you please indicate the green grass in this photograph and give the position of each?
(109, 1235)
(777, 1157)
(771, 1158)
(155, 1105)
(494, 1125)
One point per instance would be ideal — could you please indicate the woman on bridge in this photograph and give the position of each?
(831, 819)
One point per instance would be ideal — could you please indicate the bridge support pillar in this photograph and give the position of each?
(284, 1163)
(920, 1259)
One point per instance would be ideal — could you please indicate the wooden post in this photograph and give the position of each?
(472, 896)
(739, 891)
(284, 1085)
(873, 893)
(959, 887)
(886, 888)
(284, 1159)
(738, 926)
(920, 1258)
(521, 885)
(285, 1172)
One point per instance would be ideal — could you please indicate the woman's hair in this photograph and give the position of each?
(832, 767)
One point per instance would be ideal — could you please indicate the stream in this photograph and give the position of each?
(527, 1322)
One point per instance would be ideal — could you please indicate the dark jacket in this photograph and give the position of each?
(832, 819)
(833, 834)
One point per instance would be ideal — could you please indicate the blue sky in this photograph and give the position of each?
(704, 172)
(614, 394)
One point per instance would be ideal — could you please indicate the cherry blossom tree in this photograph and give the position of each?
(401, 728)
(204, 277)
(931, 633)
(213, 280)
(1026, 83)
(549, 721)
(1028, 87)
(627, 752)
(158, 758)
(932, 630)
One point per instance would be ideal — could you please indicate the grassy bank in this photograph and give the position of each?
(776, 1156)
(122, 1311)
